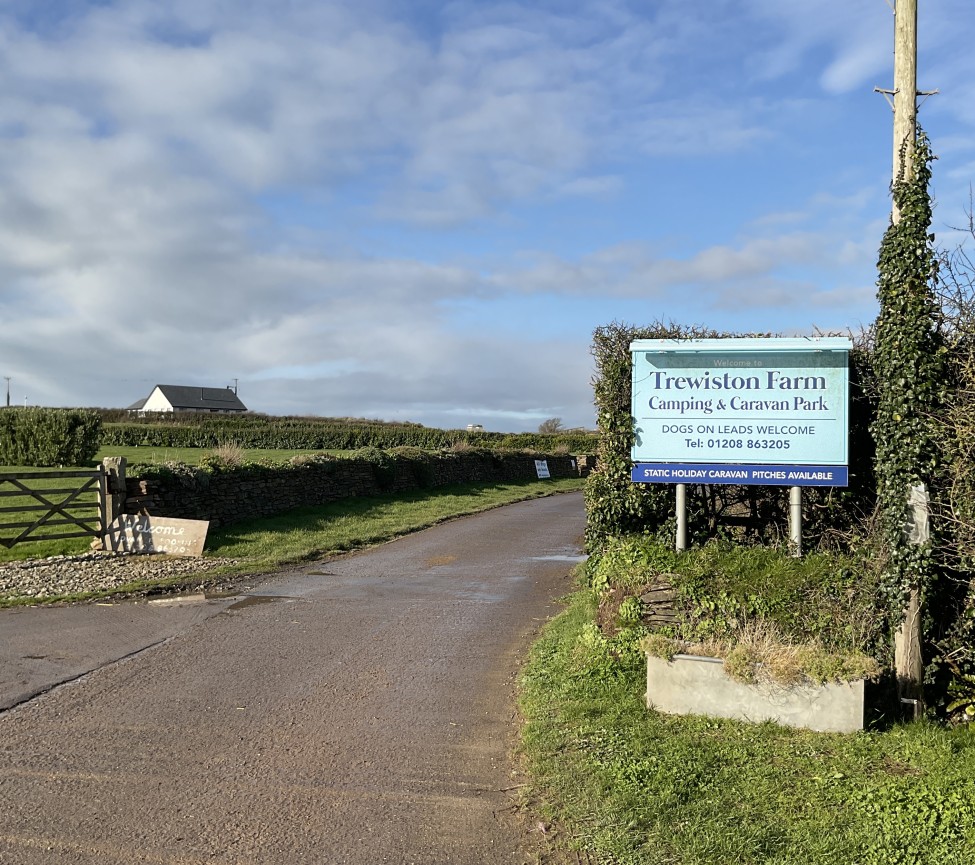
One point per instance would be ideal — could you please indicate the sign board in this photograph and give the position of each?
(541, 468)
(741, 411)
(136, 533)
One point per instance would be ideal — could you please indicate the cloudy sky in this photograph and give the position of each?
(420, 210)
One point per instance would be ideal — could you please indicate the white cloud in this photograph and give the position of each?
(728, 273)
(302, 195)
(856, 36)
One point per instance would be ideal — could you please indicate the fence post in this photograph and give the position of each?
(111, 492)
(795, 522)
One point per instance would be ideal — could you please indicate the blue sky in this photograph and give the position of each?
(421, 210)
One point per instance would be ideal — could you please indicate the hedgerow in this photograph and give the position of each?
(48, 437)
(191, 430)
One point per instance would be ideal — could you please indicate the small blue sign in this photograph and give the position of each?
(741, 474)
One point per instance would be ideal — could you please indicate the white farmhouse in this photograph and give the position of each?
(173, 397)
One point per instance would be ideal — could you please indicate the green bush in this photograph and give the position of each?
(384, 465)
(720, 587)
(48, 437)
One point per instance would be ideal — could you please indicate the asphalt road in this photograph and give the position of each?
(359, 710)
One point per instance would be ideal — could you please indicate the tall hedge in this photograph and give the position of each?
(46, 437)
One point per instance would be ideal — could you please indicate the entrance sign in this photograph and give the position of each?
(741, 411)
(138, 533)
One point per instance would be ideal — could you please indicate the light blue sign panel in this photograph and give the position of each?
(744, 475)
(751, 401)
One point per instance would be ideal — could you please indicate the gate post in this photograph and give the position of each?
(111, 492)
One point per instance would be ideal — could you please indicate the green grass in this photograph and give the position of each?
(259, 546)
(310, 532)
(629, 785)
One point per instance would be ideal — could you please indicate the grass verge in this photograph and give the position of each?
(259, 546)
(309, 533)
(628, 785)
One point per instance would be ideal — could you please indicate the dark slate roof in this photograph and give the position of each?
(137, 406)
(211, 398)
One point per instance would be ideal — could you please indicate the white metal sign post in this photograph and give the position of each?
(741, 411)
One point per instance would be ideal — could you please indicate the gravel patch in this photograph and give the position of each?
(93, 572)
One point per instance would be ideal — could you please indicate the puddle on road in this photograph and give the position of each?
(240, 602)
(441, 561)
(559, 558)
(178, 600)
(258, 600)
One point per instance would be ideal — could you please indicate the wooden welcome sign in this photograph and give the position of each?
(138, 533)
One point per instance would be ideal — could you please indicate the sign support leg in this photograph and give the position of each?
(681, 517)
(795, 521)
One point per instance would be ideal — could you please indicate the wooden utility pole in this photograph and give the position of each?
(905, 90)
(907, 641)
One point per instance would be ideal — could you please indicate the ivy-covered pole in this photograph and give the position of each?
(909, 362)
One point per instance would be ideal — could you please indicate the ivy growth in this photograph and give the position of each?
(615, 505)
(909, 359)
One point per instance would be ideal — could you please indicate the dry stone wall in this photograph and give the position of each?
(233, 494)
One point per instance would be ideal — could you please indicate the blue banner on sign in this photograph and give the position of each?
(746, 475)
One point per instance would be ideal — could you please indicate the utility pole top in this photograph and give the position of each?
(905, 91)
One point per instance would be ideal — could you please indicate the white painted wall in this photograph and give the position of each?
(157, 402)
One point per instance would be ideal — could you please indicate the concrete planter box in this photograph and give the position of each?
(691, 685)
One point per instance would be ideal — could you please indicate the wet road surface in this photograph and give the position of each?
(357, 710)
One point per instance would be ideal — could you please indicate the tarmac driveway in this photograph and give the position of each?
(357, 710)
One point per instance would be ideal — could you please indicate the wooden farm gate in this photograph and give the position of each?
(74, 505)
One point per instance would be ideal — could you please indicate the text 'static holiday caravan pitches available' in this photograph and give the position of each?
(741, 411)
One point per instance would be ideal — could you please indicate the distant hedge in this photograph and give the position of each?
(191, 430)
(44, 437)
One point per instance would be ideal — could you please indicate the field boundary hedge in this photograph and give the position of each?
(191, 430)
(46, 437)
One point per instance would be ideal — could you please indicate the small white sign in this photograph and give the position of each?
(541, 466)
(136, 533)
